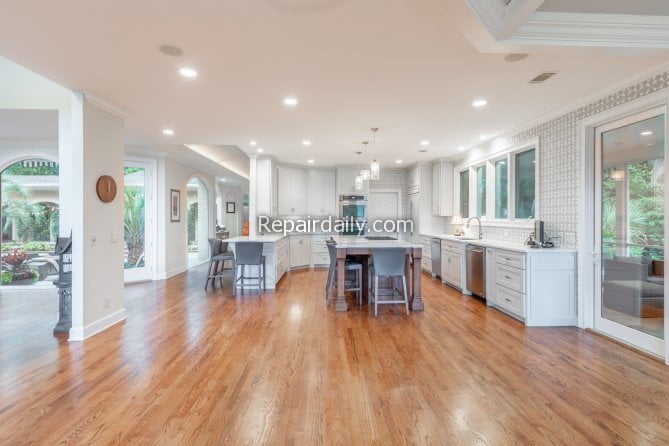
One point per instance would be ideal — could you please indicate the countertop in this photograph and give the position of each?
(519, 247)
(268, 238)
(361, 242)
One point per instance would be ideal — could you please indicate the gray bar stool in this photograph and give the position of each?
(219, 254)
(389, 262)
(351, 265)
(248, 254)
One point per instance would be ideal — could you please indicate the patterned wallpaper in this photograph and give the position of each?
(559, 163)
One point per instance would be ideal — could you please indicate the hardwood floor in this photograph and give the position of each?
(189, 367)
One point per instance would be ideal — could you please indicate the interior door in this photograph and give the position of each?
(630, 174)
(138, 221)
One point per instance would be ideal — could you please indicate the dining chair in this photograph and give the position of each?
(219, 254)
(350, 265)
(248, 254)
(390, 263)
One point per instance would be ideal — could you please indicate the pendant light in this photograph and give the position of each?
(374, 168)
(358, 182)
(365, 173)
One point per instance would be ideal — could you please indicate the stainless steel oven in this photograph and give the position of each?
(353, 209)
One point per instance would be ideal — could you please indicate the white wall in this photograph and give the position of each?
(97, 289)
(172, 237)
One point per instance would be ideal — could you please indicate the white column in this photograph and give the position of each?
(96, 149)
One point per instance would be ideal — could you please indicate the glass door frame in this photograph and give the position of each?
(608, 327)
(148, 271)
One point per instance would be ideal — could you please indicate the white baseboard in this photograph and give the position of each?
(171, 273)
(81, 333)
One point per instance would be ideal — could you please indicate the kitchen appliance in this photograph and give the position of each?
(353, 210)
(475, 257)
(435, 251)
(539, 231)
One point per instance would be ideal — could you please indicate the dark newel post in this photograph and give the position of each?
(64, 284)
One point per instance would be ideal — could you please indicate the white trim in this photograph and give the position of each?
(171, 273)
(501, 20)
(106, 106)
(578, 29)
(81, 333)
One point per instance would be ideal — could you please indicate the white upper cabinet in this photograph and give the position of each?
(414, 180)
(292, 193)
(346, 182)
(442, 188)
(266, 198)
(321, 194)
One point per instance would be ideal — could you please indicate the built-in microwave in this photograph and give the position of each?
(353, 209)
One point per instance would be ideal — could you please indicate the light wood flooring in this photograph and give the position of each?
(195, 367)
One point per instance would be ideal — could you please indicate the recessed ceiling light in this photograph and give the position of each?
(310, 161)
(188, 72)
(483, 137)
(259, 150)
(479, 103)
(168, 132)
(515, 57)
(306, 142)
(646, 133)
(422, 150)
(290, 101)
(399, 161)
(252, 143)
(461, 148)
(425, 142)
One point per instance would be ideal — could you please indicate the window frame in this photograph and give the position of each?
(508, 154)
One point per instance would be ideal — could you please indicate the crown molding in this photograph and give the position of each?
(500, 19)
(609, 30)
(106, 106)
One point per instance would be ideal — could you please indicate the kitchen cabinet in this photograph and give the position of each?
(442, 188)
(320, 257)
(451, 263)
(282, 257)
(426, 258)
(346, 182)
(300, 251)
(413, 183)
(321, 193)
(292, 191)
(414, 216)
(266, 188)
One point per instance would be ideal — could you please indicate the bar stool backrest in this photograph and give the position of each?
(389, 261)
(215, 246)
(248, 253)
(332, 251)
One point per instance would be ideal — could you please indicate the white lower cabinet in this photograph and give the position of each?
(320, 256)
(537, 287)
(426, 258)
(300, 251)
(282, 257)
(451, 263)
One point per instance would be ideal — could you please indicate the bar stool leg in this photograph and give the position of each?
(406, 296)
(234, 277)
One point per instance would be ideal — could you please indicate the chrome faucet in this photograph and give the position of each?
(480, 228)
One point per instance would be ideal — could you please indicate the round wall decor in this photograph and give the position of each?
(106, 189)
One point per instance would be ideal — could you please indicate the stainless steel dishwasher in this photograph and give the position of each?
(475, 269)
(435, 253)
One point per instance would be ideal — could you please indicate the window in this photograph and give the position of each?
(501, 189)
(525, 183)
(464, 193)
(480, 191)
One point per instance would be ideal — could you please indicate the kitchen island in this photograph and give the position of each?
(361, 247)
(275, 250)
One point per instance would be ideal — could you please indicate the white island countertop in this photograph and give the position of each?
(347, 241)
(267, 238)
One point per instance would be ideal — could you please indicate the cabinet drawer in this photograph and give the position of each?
(512, 278)
(511, 301)
(320, 259)
(510, 258)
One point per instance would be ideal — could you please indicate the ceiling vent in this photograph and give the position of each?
(543, 77)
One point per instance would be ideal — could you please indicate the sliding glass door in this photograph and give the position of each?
(629, 230)
(137, 221)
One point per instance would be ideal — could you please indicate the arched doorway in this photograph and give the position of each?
(198, 222)
(29, 205)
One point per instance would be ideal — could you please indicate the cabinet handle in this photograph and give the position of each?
(507, 299)
(508, 277)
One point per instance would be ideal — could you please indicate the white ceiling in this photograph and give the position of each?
(635, 7)
(403, 66)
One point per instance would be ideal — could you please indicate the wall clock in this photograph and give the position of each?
(106, 189)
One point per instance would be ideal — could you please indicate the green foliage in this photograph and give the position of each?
(19, 169)
(6, 277)
(37, 246)
(134, 224)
